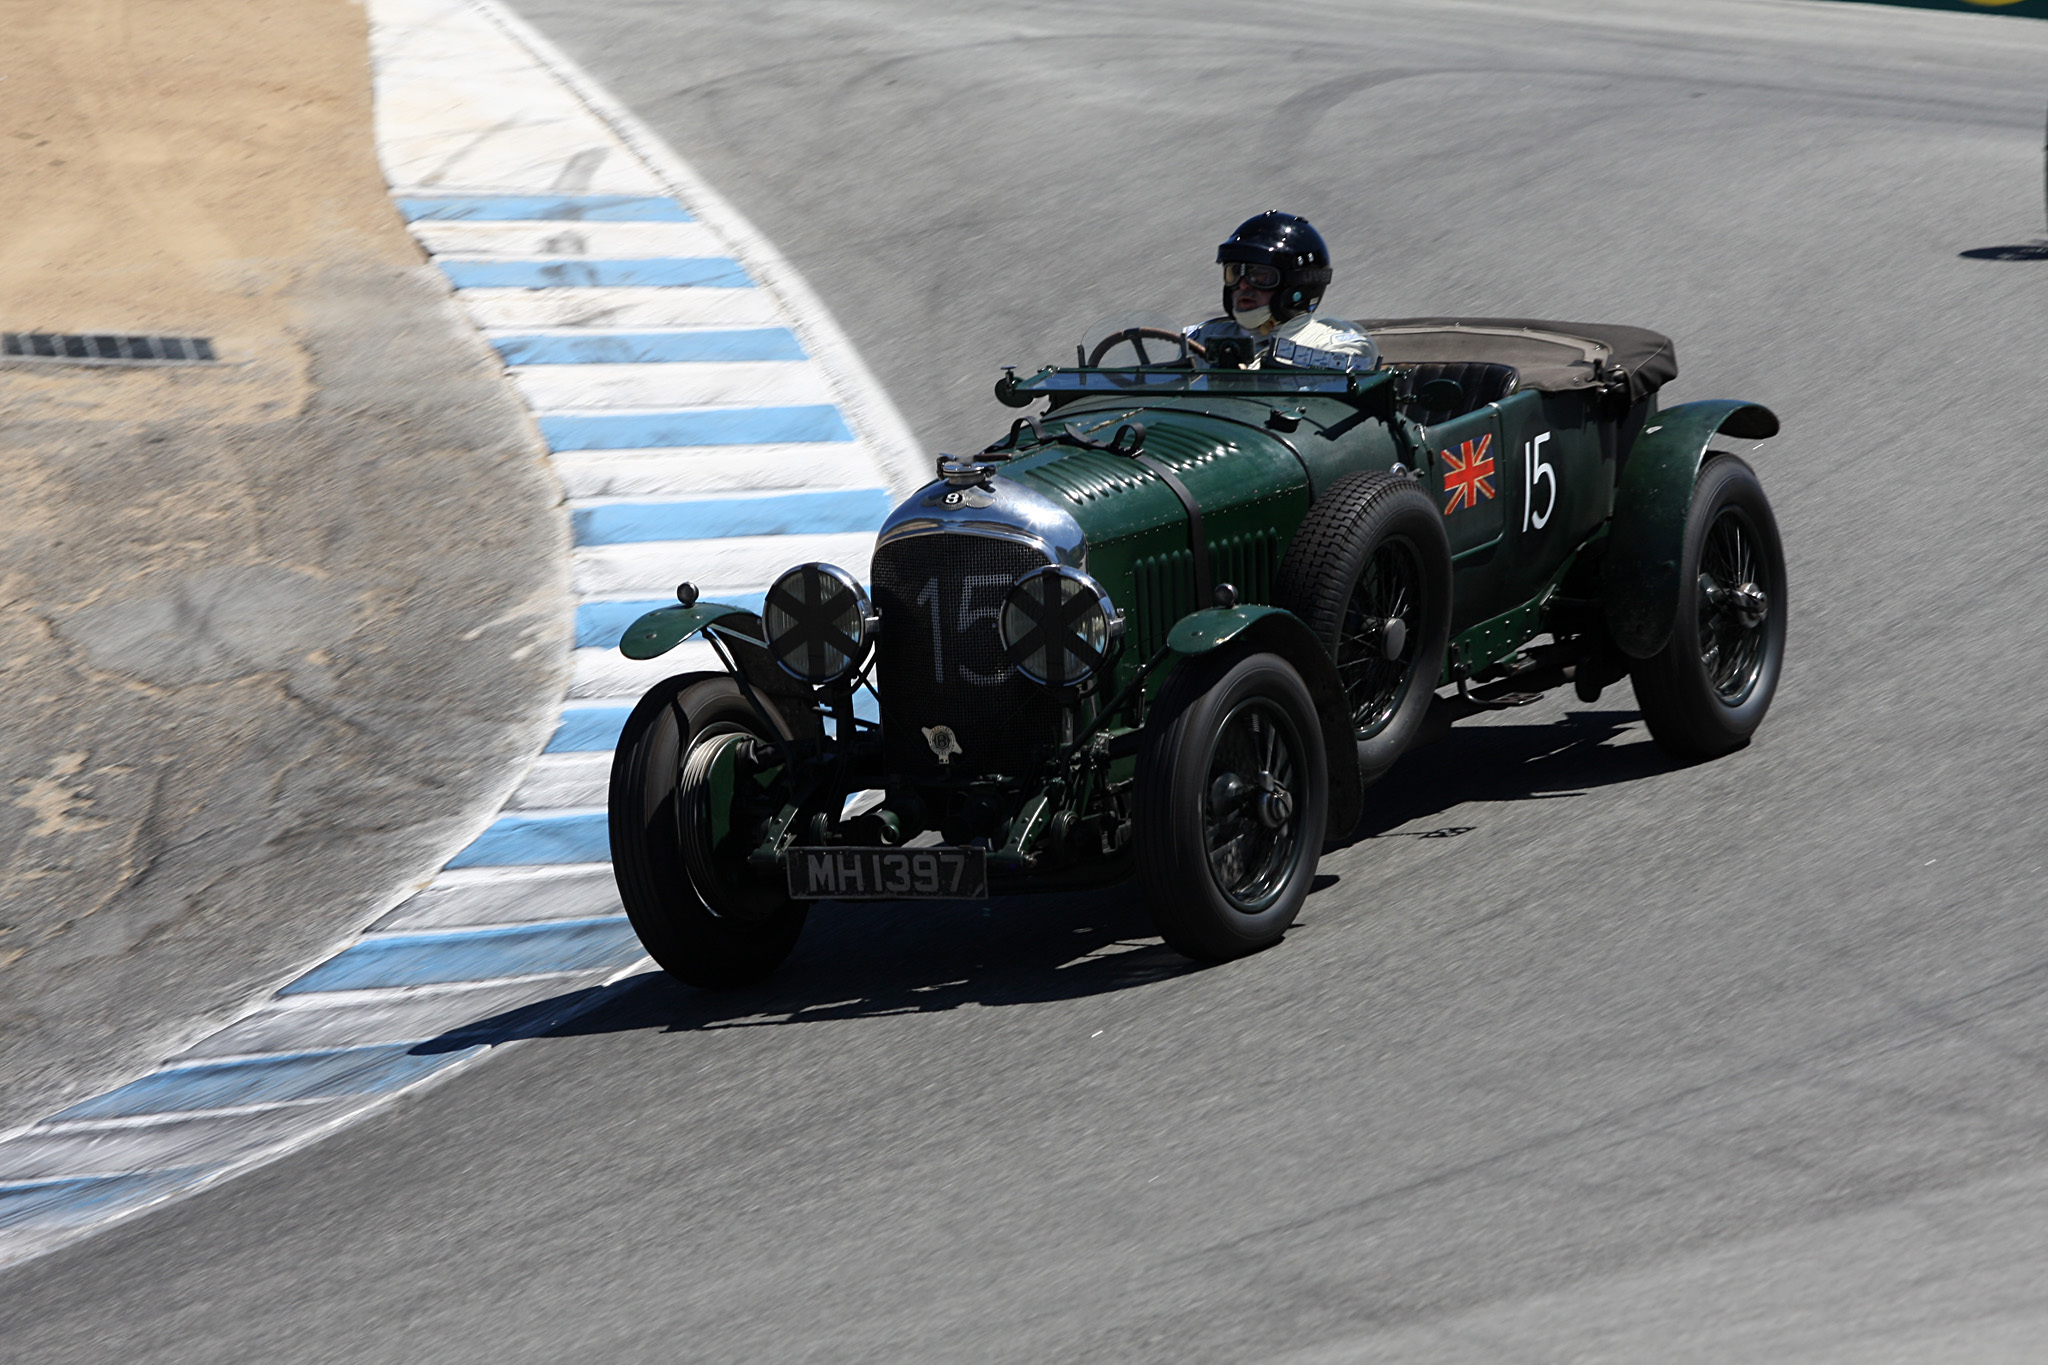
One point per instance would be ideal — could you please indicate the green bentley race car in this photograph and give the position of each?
(1175, 621)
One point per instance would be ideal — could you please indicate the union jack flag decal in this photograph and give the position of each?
(1469, 474)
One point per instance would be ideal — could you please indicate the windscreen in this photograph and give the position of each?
(1174, 379)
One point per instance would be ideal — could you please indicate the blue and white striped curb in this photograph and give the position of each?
(707, 420)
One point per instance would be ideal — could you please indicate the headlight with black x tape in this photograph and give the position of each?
(1059, 627)
(819, 623)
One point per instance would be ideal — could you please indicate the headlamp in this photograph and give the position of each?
(1059, 627)
(818, 622)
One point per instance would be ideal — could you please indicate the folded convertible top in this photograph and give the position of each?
(1550, 356)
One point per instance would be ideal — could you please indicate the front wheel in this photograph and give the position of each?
(683, 813)
(1707, 690)
(1231, 796)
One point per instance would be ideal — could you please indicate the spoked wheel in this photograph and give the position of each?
(1708, 689)
(1370, 574)
(1732, 609)
(1248, 809)
(688, 791)
(1376, 645)
(1231, 794)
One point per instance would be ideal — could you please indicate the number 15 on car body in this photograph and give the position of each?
(1536, 469)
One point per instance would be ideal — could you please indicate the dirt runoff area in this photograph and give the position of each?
(277, 634)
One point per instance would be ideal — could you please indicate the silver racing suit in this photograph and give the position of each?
(1305, 340)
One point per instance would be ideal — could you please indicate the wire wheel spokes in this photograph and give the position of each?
(1734, 606)
(1250, 824)
(1377, 641)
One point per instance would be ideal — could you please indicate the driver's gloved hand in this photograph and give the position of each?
(1229, 353)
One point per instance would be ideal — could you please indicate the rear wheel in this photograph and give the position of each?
(1231, 795)
(682, 821)
(1708, 689)
(1370, 573)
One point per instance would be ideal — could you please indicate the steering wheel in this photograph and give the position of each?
(1137, 337)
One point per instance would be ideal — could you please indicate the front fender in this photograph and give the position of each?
(662, 629)
(1259, 629)
(1639, 576)
(1199, 632)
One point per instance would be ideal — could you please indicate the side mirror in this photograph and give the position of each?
(1441, 395)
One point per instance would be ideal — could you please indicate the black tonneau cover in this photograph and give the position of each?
(1550, 356)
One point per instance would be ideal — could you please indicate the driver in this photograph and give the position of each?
(1275, 268)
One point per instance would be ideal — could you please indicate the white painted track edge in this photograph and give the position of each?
(860, 393)
(349, 1115)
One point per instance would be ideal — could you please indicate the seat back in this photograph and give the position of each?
(1482, 381)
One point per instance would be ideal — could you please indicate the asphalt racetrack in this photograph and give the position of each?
(1576, 1055)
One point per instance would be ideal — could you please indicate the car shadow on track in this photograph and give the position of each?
(1553, 760)
(2025, 251)
(869, 960)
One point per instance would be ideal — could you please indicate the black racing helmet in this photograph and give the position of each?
(1288, 243)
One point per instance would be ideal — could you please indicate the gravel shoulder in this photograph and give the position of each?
(276, 635)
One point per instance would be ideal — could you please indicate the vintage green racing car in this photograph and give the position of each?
(1177, 619)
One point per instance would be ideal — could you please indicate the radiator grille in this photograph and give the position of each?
(941, 661)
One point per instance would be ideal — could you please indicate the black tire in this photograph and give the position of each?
(1371, 552)
(1224, 863)
(717, 928)
(1706, 692)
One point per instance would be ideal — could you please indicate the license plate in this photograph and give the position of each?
(887, 874)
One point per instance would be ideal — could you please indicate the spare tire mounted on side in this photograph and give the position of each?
(1370, 574)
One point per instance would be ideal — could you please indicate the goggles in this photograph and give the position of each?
(1257, 276)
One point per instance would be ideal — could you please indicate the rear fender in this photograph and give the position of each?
(1639, 577)
(1253, 629)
